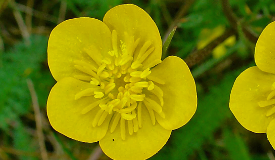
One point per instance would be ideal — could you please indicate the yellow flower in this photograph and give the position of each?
(112, 86)
(252, 98)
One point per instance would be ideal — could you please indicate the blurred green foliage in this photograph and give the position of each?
(213, 133)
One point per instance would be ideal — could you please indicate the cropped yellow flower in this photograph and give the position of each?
(252, 98)
(112, 86)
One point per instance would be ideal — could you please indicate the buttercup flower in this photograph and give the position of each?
(112, 86)
(252, 98)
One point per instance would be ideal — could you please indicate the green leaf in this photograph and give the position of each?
(235, 145)
(167, 42)
(20, 139)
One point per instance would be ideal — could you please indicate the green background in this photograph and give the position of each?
(213, 132)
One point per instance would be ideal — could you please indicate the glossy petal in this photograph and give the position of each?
(180, 96)
(135, 21)
(251, 87)
(143, 144)
(69, 40)
(265, 50)
(64, 112)
(271, 132)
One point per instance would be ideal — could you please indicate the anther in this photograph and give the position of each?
(145, 73)
(98, 94)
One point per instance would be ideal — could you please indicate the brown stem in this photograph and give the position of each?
(199, 55)
(38, 121)
(231, 17)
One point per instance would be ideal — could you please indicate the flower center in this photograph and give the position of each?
(269, 102)
(123, 86)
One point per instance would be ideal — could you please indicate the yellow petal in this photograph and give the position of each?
(265, 49)
(271, 132)
(71, 40)
(64, 112)
(136, 22)
(251, 87)
(142, 144)
(179, 92)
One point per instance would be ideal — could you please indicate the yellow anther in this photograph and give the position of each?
(266, 103)
(155, 79)
(109, 108)
(144, 48)
(129, 109)
(136, 89)
(101, 68)
(145, 73)
(123, 47)
(152, 104)
(82, 77)
(115, 102)
(136, 74)
(86, 92)
(140, 114)
(111, 67)
(134, 47)
(94, 53)
(271, 95)
(152, 115)
(273, 86)
(127, 116)
(86, 64)
(137, 97)
(135, 123)
(103, 106)
(151, 85)
(141, 84)
(161, 114)
(90, 107)
(106, 61)
(94, 81)
(111, 53)
(127, 86)
(97, 116)
(86, 70)
(127, 78)
(102, 118)
(136, 64)
(120, 95)
(122, 128)
(114, 42)
(270, 111)
(104, 74)
(121, 89)
(109, 87)
(159, 93)
(118, 75)
(98, 94)
(146, 54)
(110, 95)
(126, 94)
(130, 127)
(122, 102)
(125, 59)
(152, 64)
(135, 79)
(102, 85)
(123, 71)
(115, 70)
(115, 122)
